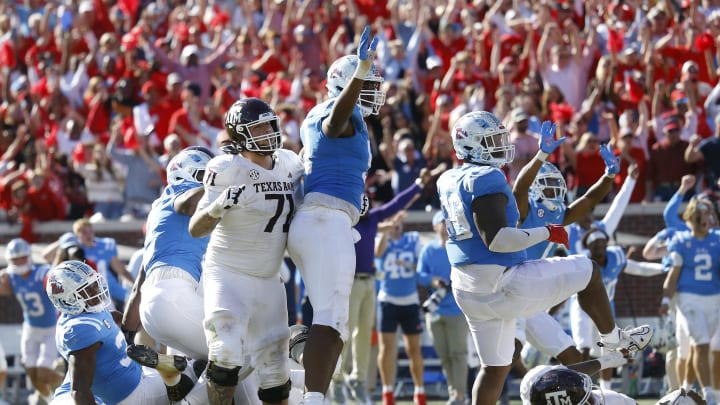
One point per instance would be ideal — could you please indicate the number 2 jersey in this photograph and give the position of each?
(38, 310)
(251, 238)
(700, 273)
(116, 375)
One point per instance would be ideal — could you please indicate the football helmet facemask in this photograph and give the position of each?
(562, 386)
(189, 165)
(74, 287)
(480, 137)
(342, 71)
(253, 126)
(549, 187)
(17, 249)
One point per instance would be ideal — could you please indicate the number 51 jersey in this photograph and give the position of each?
(251, 238)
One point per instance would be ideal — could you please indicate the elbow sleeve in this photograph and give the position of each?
(513, 240)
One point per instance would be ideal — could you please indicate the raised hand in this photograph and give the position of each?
(365, 54)
(231, 197)
(558, 234)
(366, 48)
(547, 142)
(612, 162)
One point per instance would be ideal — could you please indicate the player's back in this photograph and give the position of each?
(539, 215)
(335, 166)
(38, 310)
(116, 375)
(168, 241)
(458, 188)
(252, 238)
(700, 272)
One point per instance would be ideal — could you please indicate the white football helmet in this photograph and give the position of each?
(74, 287)
(16, 249)
(549, 187)
(480, 137)
(188, 165)
(342, 71)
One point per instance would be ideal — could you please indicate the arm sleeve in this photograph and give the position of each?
(400, 201)
(643, 269)
(513, 240)
(670, 213)
(617, 208)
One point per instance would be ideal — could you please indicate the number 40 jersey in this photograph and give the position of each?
(251, 237)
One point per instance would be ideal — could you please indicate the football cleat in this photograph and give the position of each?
(298, 336)
(631, 339)
(161, 362)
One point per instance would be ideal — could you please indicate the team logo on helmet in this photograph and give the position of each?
(57, 287)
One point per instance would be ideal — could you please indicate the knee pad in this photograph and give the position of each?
(221, 376)
(275, 395)
(178, 391)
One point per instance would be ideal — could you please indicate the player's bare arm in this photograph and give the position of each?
(489, 215)
(187, 202)
(131, 318)
(81, 366)
(5, 287)
(598, 191)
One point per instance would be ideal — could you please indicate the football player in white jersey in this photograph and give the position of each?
(250, 198)
(337, 157)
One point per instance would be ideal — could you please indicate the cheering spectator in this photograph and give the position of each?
(667, 164)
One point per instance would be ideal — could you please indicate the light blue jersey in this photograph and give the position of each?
(116, 375)
(666, 236)
(396, 266)
(168, 242)
(615, 264)
(458, 188)
(539, 216)
(575, 234)
(434, 262)
(102, 253)
(38, 310)
(700, 272)
(335, 166)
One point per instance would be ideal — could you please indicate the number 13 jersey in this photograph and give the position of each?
(252, 236)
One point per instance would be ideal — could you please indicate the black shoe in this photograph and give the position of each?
(298, 336)
(161, 362)
(199, 367)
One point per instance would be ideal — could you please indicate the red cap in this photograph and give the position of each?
(678, 95)
(670, 125)
(149, 85)
(219, 20)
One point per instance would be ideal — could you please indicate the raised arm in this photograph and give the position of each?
(672, 208)
(547, 145)
(598, 191)
(338, 124)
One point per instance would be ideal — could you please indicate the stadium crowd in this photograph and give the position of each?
(100, 95)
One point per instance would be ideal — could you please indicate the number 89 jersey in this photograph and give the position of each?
(700, 272)
(251, 237)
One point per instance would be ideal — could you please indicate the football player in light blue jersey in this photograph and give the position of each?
(540, 194)
(172, 259)
(695, 279)
(492, 280)
(103, 251)
(37, 343)
(90, 340)
(612, 261)
(337, 156)
(399, 305)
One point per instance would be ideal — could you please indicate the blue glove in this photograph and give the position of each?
(366, 51)
(612, 162)
(547, 142)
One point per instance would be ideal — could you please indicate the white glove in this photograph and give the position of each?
(612, 359)
(231, 197)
